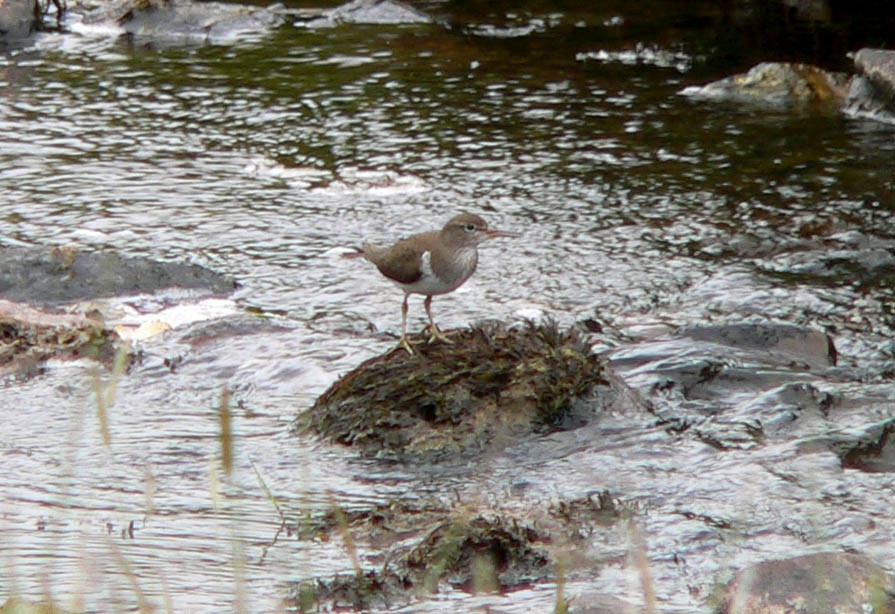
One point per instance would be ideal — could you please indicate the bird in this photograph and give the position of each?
(431, 263)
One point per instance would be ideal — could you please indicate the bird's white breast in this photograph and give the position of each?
(429, 283)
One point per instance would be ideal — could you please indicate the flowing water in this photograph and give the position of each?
(639, 210)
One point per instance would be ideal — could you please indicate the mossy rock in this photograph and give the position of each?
(361, 592)
(424, 547)
(491, 386)
(29, 337)
(476, 554)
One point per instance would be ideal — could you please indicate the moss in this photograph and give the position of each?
(460, 397)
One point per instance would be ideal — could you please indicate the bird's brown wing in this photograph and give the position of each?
(402, 262)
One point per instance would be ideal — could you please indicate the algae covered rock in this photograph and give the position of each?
(479, 554)
(779, 85)
(491, 386)
(423, 548)
(29, 337)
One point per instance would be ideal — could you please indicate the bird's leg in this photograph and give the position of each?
(434, 333)
(404, 343)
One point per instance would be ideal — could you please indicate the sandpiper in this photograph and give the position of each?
(430, 263)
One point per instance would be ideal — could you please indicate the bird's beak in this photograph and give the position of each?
(493, 234)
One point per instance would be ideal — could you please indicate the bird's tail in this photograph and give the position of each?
(357, 253)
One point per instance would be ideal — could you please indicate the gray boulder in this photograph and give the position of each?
(18, 19)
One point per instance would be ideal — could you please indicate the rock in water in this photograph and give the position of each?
(822, 582)
(29, 337)
(490, 387)
(63, 275)
(18, 19)
(778, 85)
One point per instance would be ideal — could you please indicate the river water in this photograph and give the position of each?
(639, 210)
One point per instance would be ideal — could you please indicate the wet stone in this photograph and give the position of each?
(844, 258)
(17, 20)
(879, 66)
(200, 22)
(793, 344)
(876, 455)
(490, 387)
(867, 100)
(810, 584)
(64, 275)
(433, 547)
(29, 337)
(778, 85)
(478, 554)
(370, 12)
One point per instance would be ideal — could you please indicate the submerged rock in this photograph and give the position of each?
(849, 257)
(478, 554)
(786, 343)
(810, 584)
(490, 386)
(876, 453)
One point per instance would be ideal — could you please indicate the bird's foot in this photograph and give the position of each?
(435, 334)
(405, 344)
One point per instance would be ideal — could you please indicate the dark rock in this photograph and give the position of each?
(810, 584)
(778, 85)
(363, 591)
(18, 19)
(58, 276)
(491, 386)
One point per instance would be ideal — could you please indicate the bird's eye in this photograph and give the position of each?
(470, 227)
